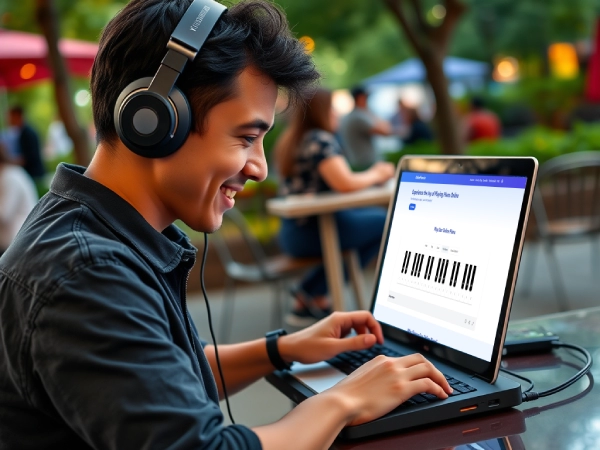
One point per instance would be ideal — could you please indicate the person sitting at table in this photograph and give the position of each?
(309, 159)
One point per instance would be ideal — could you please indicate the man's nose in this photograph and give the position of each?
(256, 167)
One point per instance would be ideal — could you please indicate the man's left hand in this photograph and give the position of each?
(328, 337)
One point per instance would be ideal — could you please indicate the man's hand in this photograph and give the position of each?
(327, 338)
(383, 383)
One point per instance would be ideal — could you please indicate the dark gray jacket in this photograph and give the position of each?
(96, 346)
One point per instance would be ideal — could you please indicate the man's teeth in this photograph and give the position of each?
(229, 193)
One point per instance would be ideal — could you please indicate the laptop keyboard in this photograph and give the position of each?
(348, 362)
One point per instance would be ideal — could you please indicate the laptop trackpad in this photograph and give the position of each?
(319, 376)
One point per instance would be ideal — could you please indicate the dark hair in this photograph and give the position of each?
(357, 91)
(315, 115)
(251, 33)
(17, 109)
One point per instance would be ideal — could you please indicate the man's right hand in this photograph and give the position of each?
(383, 383)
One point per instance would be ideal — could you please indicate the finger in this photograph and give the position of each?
(427, 385)
(428, 370)
(364, 319)
(417, 359)
(354, 343)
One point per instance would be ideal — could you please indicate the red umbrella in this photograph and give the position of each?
(593, 76)
(23, 57)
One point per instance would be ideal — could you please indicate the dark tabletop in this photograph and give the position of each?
(569, 419)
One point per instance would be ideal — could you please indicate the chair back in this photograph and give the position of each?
(567, 197)
(236, 227)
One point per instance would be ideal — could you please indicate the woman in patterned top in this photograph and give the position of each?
(309, 159)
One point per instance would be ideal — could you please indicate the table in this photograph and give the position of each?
(569, 419)
(324, 205)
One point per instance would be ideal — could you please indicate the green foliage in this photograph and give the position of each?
(540, 142)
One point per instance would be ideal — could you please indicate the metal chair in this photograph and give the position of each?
(566, 205)
(278, 270)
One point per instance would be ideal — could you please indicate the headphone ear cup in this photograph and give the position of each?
(149, 124)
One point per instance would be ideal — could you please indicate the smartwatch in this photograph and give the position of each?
(273, 350)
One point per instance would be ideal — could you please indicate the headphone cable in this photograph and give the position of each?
(210, 326)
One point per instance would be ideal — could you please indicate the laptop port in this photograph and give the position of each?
(468, 408)
(493, 403)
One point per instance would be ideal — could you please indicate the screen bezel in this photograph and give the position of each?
(509, 166)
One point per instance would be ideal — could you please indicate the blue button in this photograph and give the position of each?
(412, 206)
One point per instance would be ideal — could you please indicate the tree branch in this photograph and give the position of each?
(454, 10)
(394, 6)
(418, 11)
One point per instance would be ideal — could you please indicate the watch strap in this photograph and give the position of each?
(273, 350)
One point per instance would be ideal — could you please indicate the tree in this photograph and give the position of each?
(431, 43)
(47, 19)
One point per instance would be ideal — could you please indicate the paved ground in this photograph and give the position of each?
(260, 403)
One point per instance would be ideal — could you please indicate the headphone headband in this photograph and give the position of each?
(152, 116)
(195, 26)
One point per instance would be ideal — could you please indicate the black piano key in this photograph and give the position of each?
(407, 262)
(429, 267)
(445, 270)
(452, 274)
(420, 266)
(472, 278)
(456, 274)
(437, 271)
(412, 269)
(468, 277)
(404, 261)
(462, 284)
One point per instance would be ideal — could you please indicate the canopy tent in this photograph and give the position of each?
(593, 75)
(23, 57)
(413, 71)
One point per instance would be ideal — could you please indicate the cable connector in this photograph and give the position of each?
(529, 396)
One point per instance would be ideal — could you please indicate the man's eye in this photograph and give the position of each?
(250, 139)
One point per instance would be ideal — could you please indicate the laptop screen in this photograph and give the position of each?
(446, 264)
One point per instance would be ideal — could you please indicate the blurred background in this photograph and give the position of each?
(534, 65)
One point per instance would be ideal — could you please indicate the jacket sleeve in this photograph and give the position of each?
(101, 348)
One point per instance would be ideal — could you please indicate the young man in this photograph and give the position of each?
(97, 348)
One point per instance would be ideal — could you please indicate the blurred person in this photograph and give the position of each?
(310, 160)
(411, 128)
(480, 122)
(58, 142)
(18, 196)
(28, 142)
(357, 130)
(98, 347)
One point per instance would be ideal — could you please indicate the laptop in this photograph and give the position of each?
(444, 285)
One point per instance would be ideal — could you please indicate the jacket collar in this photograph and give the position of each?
(163, 250)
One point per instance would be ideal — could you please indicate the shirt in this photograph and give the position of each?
(97, 349)
(355, 131)
(316, 146)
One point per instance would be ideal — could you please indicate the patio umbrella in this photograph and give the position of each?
(413, 71)
(23, 57)
(592, 89)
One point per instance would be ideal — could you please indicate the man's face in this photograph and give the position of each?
(199, 181)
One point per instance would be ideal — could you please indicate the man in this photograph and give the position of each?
(357, 130)
(98, 350)
(28, 143)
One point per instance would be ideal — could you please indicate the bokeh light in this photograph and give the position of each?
(308, 42)
(506, 70)
(438, 11)
(28, 71)
(82, 98)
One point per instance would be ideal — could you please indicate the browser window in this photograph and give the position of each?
(446, 263)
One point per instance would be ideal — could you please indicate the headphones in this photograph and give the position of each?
(152, 116)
